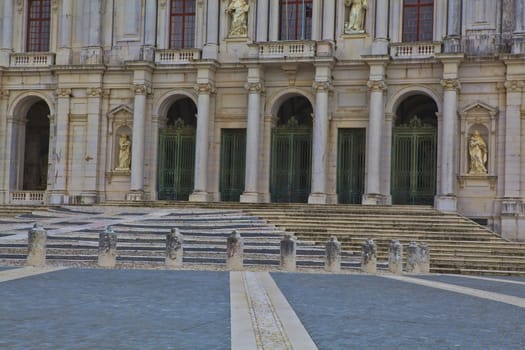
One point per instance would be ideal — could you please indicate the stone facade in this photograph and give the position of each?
(110, 71)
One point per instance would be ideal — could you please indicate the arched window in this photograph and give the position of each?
(296, 20)
(182, 24)
(38, 23)
(418, 20)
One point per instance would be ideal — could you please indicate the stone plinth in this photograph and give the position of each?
(174, 248)
(332, 262)
(36, 244)
(369, 257)
(235, 251)
(288, 253)
(107, 248)
(395, 257)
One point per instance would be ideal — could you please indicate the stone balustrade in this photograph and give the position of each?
(177, 56)
(32, 59)
(415, 50)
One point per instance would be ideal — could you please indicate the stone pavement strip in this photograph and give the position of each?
(502, 298)
(261, 316)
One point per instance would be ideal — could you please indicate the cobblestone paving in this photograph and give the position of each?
(508, 287)
(370, 312)
(116, 309)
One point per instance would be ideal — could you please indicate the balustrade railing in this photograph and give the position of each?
(415, 50)
(282, 49)
(27, 197)
(32, 59)
(177, 56)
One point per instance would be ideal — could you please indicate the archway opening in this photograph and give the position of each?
(176, 162)
(291, 157)
(414, 151)
(36, 148)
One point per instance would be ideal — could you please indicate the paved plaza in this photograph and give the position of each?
(77, 308)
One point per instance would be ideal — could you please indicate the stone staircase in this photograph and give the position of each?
(73, 236)
(457, 245)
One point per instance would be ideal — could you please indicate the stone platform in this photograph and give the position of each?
(72, 308)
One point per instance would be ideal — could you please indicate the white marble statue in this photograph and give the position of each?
(124, 154)
(356, 16)
(238, 10)
(477, 150)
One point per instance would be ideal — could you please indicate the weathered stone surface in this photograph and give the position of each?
(395, 257)
(107, 248)
(36, 244)
(424, 258)
(369, 257)
(418, 258)
(412, 258)
(235, 251)
(288, 253)
(332, 262)
(174, 248)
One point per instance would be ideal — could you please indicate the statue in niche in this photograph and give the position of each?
(477, 150)
(356, 16)
(238, 10)
(124, 153)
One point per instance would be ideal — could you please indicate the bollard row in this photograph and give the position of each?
(418, 257)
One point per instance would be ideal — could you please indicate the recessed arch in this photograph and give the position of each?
(166, 100)
(282, 96)
(396, 99)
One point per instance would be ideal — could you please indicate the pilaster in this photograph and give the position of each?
(89, 192)
(380, 43)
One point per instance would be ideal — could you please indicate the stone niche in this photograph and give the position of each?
(477, 189)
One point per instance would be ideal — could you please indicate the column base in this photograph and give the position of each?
(199, 197)
(318, 198)
(446, 203)
(57, 198)
(88, 198)
(373, 199)
(135, 196)
(250, 197)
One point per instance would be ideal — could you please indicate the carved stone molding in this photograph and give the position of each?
(254, 87)
(141, 89)
(208, 88)
(4, 93)
(19, 5)
(514, 85)
(376, 85)
(63, 92)
(162, 4)
(94, 92)
(54, 5)
(322, 86)
(450, 84)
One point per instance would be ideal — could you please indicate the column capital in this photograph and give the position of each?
(320, 86)
(162, 4)
(64, 93)
(19, 5)
(141, 89)
(254, 87)
(94, 92)
(376, 85)
(205, 88)
(4, 93)
(450, 84)
(514, 85)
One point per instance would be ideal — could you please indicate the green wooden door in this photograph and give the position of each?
(350, 165)
(413, 165)
(233, 160)
(176, 163)
(291, 166)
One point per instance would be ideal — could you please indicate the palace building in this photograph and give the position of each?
(374, 102)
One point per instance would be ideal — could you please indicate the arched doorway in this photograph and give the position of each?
(36, 148)
(176, 160)
(291, 158)
(414, 151)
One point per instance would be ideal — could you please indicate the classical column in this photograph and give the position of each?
(6, 36)
(452, 42)
(200, 193)
(317, 16)
(328, 20)
(446, 197)
(262, 21)
(318, 193)
(91, 159)
(137, 143)
(253, 137)
(210, 49)
(66, 31)
(150, 30)
(372, 193)
(155, 126)
(58, 190)
(380, 43)
(518, 36)
(4, 156)
(274, 20)
(94, 31)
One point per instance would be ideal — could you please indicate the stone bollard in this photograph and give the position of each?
(107, 248)
(395, 257)
(174, 249)
(235, 251)
(332, 260)
(369, 257)
(413, 265)
(424, 258)
(36, 246)
(288, 247)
